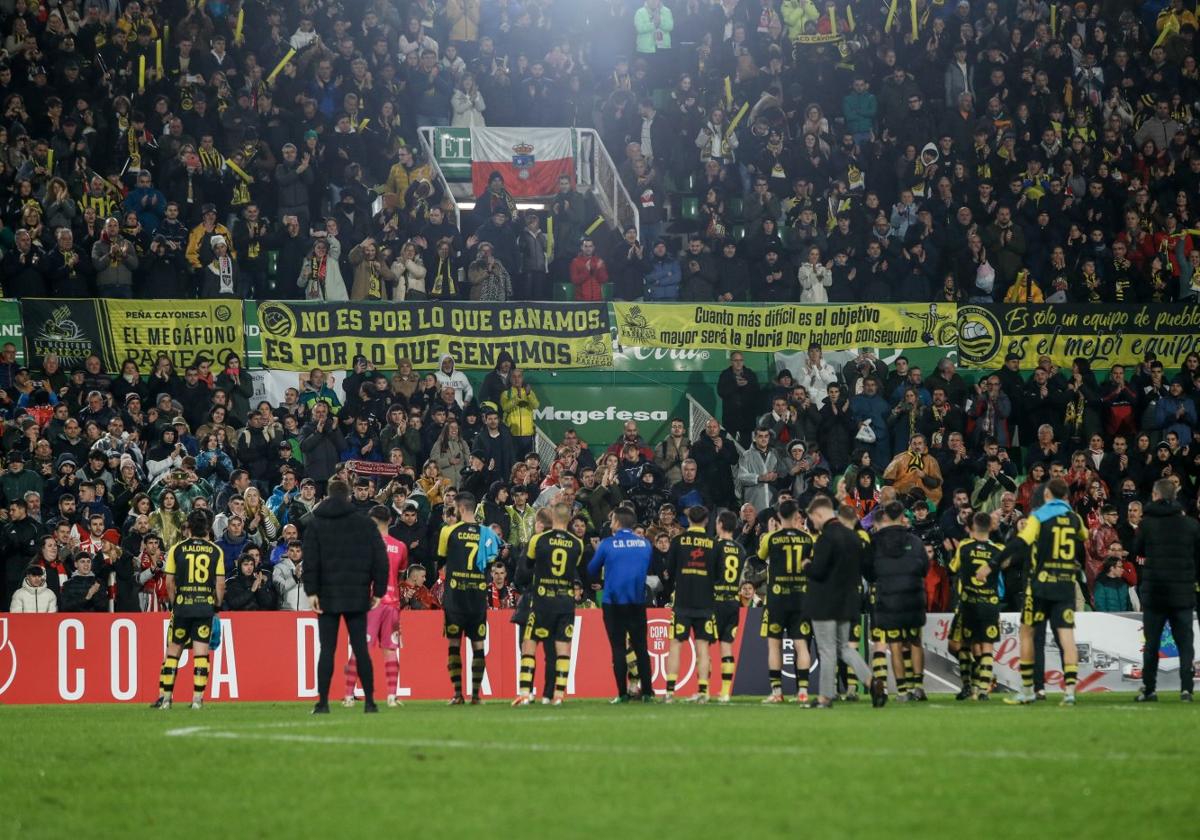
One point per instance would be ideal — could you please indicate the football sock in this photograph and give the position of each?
(909, 682)
(632, 666)
(200, 675)
(351, 673)
(454, 665)
(983, 674)
(1027, 676)
(527, 665)
(562, 669)
(727, 666)
(391, 670)
(702, 690)
(671, 679)
(477, 666)
(879, 665)
(801, 680)
(1070, 677)
(166, 677)
(965, 662)
(776, 677)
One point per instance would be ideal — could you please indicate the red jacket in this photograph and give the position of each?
(588, 274)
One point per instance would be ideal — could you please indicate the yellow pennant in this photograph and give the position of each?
(291, 53)
(891, 15)
(241, 173)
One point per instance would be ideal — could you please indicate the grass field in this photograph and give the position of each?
(1106, 768)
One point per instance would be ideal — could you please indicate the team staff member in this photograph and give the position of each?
(1170, 542)
(195, 572)
(786, 551)
(897, 566)
(692, 567)
(728, 610)
(1055, 537)
(465, 606)
(832, 600)
(345, 574)
(555, 555)
(624, 559)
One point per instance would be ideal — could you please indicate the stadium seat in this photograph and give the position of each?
(606, 291)
(689, 207)
(738, 232)
(564, 291)
(272, 263)
(735, 208)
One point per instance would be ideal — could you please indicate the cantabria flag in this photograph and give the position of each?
(530, 159)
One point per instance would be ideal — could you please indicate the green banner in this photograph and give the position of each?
(300, 336)
(598, 413)
(11, 328)
(1104, 335)
(119, 330)
(452, 149)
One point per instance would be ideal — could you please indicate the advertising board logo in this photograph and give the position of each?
(636, 327)
(597, 352)
(8, 658)
(277, 321)
(658, 643)
(60, 335)
(978, 334)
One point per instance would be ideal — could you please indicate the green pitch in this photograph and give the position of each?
(1106, 768)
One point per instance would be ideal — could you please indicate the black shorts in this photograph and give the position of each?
(728, 614)
(189, 630)
(893, 635)
(523, 610)
(976, 624)
(472, 624)
(547, 622)
(1060, 611)
(700, 623)
(785, 623)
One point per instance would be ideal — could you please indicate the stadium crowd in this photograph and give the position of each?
(102, 470)
(986, 151)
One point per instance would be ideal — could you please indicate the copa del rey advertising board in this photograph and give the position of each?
(115, 658)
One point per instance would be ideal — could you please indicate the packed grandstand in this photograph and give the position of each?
(927, 176)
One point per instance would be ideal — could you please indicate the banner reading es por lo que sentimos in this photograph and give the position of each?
(300, 336)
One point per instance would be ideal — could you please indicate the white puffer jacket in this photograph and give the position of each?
(34, 599)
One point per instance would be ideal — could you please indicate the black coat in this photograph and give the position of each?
(240, 594)
(344, 558)
(74, 595)
(1170, 542)
(896, 565)
(834, 574)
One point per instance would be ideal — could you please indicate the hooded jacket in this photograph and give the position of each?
(345, 561)
(33, 599)
(456, 379)
(896, 565)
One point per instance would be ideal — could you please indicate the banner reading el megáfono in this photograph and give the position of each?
(1104, 335)
(785, 327)
(120, 330)
(300, 336)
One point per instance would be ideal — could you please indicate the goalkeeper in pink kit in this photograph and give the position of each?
(383, 622)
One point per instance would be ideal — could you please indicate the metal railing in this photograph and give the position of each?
(593, 162)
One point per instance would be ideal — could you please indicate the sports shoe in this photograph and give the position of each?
(557, 701)
(476, 700)
(1068, 700)
(320, 708)
(1020, 699)
(648, 698)
(724, 699)
(700, 698)
(1144, 696)
(619, 700)
(523, 700)
(197, 705)
(670, 698)
(981, 695)
(919, 695)
(393, 702)
(1040, 694)
(964, 694)
(348, 703)
(457, 700)
(850, 697)
(818, 704)
(878, 692)
(904, 697)
(772, 699)
(369, 708)
(1185, 697)
(545, 701)
(802, 695)
(163, 703)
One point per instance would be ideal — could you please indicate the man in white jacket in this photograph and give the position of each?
(759, 467)
(816, 374)
(288, 577)
(447, 374)
(34, 596)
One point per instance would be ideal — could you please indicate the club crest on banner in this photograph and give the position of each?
(523, 159)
